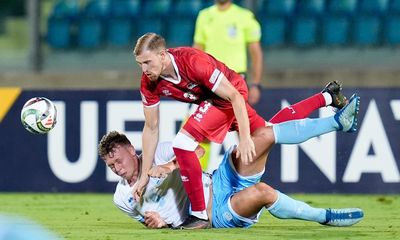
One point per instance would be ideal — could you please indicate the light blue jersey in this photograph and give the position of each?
(226, 182)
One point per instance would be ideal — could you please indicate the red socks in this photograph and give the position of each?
(299, 110)
(191, 175)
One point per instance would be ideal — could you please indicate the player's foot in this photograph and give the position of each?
(193, 222)
(335, 90)
(346, 118)
(343, 217)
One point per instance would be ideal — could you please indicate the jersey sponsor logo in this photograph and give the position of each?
(292, 109)
(184, 178)
(166, 92)
(190, 96)
(214, 76)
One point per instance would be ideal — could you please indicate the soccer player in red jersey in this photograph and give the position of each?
(192, 76)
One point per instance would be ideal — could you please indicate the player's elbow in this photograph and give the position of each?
(233, 96)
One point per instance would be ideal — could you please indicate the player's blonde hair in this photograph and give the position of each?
(111, 140)
(149, 41)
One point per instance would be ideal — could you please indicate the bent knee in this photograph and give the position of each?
(265, 134)
(182, 141)
(266, 192)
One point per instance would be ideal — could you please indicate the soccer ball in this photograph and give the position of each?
(39, 115)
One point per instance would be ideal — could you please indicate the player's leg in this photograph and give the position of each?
(184, 146)
(206, 122)
(297, 131)
(263, 139)
(249, 202)
(330, 95)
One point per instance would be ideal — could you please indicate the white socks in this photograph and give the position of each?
(328, 98)
(200, 214)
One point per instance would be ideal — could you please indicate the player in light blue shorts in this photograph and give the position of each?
(227, 182)
(239, 197)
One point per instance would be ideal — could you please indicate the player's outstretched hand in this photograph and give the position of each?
(139, 187)
(246, 150)
(153, 220)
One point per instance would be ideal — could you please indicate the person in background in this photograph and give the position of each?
(226, 31)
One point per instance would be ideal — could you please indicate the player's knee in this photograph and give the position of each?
(265, 135)
(266, 192)
(182, 141)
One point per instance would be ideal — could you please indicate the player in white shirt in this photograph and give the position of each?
(165, 196)
(237, 200)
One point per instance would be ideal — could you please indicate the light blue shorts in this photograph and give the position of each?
(227, 182)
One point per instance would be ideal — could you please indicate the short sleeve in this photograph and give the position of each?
(148, 93)
(164, 153)
(252, 29)
(206, 71)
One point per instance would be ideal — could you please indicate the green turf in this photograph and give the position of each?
(93, 216)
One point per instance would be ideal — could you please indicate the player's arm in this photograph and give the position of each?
(256, 56)
(149, 145)
(227, 91)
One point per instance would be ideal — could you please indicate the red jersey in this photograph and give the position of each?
(199, 75)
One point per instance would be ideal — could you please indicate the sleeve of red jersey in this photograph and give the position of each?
(205, 71)
(148, 93)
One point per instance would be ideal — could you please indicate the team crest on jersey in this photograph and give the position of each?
(190, 96)
(166, 92)
(232, 31)
(190, 86)
(228, 216)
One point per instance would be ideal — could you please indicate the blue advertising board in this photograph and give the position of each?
(66, 159)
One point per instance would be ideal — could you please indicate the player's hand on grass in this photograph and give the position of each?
(153, 220)
(139, 187)
(246, 150)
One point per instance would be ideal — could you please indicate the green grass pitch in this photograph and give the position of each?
(93, 216)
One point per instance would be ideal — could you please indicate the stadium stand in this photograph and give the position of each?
(335, 30)
(273, 31)
(187, 8)
(341, 7)
(366, 30)
(93, 18)
(391, 30)
(60, 24)
(122, 14)
(285, 23)
(274, 16)
(180, 31)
